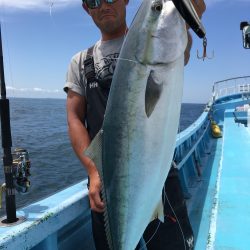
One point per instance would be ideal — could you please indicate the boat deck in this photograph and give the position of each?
(229, 228)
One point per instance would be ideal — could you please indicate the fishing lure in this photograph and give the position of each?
(204, 55)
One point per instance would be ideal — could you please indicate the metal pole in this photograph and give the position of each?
(6, 145)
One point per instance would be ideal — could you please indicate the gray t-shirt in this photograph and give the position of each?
(105, 55)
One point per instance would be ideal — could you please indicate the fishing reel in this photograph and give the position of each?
(21, 170)
(20, 173)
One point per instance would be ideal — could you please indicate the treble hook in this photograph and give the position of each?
(204, 55)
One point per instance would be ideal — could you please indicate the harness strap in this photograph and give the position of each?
(89, 66)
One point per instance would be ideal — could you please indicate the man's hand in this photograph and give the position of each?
(199, 6)
(96, 203)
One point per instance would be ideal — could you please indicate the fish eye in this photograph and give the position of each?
(157, 6)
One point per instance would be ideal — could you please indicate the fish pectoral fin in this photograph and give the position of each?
(153, 92)
(159, 212)
(94, 151)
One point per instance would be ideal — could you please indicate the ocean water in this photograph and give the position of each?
(39, 125)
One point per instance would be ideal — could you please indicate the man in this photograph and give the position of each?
(87, 86)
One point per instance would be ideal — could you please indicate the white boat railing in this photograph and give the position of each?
(231, 86)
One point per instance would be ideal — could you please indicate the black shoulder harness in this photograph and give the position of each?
(89, 66)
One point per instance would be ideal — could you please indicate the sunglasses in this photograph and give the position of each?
(94, 4)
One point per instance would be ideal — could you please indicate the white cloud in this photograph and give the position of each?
(10, 88)
(213, 2)
(37, 89)
(34, 92)
(45, 90)
(37, 5)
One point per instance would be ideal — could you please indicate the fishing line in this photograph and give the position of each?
(182, 233)
(50, 8)
(165, 197)
(151, 236)
(176, 217)
(164, 200)
(119, 58)
(129, 60)
(159, 223)
(165, 194)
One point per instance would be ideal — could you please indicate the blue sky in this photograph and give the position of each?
(41, 36)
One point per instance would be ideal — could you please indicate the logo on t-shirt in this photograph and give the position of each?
(106, 66)
(93, 85)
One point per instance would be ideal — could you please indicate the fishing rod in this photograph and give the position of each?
(6, 145)
(17, 170)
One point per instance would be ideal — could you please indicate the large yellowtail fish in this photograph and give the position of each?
(134, 149)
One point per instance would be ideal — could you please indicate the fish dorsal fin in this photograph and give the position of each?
(94, 151)
(159, 212)
(153, 92)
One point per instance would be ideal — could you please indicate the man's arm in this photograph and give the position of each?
(76, 110)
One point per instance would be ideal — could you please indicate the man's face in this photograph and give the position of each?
(110, 18)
